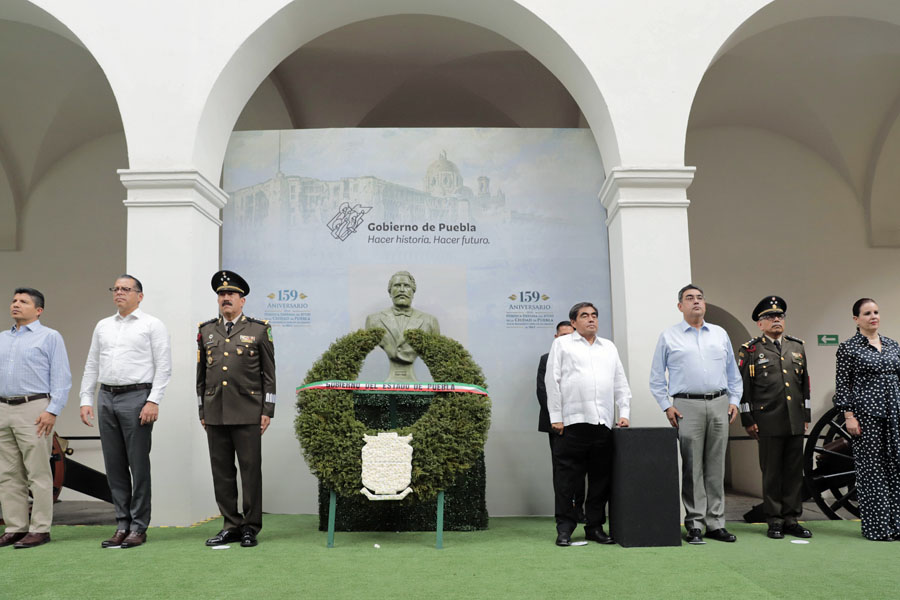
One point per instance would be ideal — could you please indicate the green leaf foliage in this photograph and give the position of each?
(447, 439)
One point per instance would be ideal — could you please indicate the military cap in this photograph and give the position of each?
(770, 305)
(229, 281)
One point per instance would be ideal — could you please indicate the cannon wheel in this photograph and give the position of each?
(57, 466)
(828, 466)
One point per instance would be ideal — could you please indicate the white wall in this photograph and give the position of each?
(771, 217)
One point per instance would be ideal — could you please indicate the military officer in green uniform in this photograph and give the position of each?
(236, 397)
(775, 411)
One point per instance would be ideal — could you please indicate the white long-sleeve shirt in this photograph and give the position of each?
(125, 351)
(585, 382)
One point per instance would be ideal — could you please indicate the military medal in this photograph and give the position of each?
(239, 350)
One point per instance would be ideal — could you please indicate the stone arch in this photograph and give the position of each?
(56, 99)
(871, 172)
(302, 20)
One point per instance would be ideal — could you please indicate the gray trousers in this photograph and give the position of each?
(703, 438)
(126, 454)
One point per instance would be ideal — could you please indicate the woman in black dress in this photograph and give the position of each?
(867, 390)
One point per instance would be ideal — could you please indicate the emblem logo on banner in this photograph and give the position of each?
(346, 220)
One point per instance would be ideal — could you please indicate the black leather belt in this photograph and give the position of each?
(709, 396)
(121, 389)
(22, 399)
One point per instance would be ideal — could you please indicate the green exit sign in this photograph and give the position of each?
(828, 339)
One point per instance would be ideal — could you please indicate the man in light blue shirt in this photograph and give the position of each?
(706, 387)
(34, 386)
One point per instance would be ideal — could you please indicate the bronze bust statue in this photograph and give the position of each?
(397, 319)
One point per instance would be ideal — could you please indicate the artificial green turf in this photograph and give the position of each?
(514, 558)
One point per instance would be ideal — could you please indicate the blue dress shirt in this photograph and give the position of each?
(33, 360)
(699, 361)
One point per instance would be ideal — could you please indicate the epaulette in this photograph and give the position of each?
(751, 342)
(794, 339)
(260, 321)
(213, 320)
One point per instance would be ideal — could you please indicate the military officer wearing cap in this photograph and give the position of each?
(236, 397)
(775, 411)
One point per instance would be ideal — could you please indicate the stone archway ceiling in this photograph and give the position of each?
(826, 82)
(55, 98)
(383, 71)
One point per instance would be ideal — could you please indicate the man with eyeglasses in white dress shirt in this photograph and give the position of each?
(131, 359)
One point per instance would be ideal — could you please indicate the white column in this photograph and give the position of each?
(173, 248)
(649, 260)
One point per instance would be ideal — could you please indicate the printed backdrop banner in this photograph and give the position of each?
(501, 228)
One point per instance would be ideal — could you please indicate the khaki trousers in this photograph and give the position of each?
(24, 466)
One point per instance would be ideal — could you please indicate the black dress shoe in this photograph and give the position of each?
(563, 538)
(721, 535)
(223, 537)
(599, 536)
(693, 537)
(775, 533)
(248, 538)
(798, 530)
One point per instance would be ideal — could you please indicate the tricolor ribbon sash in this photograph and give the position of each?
(394, 387)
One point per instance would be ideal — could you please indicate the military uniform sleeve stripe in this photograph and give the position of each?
(745, 407)
(270, 398)
(808, 404)
(199, 400)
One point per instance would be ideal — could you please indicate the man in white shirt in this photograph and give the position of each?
(131, 359)
(585, 383)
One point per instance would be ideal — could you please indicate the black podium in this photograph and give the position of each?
(644, 507)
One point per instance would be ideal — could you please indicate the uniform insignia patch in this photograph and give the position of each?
(239, 350)
(210, 336)
(209, 360)
(753, 348)
(269, 332)
(796, 355)
(248, 339)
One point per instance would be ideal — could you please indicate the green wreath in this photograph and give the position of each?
(447, 439)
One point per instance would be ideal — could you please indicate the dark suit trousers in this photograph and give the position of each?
(126, 454)
(245, 441)
(578, 498)
(582, 449)
(781, 461)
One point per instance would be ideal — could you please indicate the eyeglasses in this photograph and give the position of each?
(773, 317)
(116, 290)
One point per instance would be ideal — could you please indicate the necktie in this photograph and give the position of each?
(778, 346)
(228, 327)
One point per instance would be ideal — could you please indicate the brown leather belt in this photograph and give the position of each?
(121, 389)
(22, 399)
